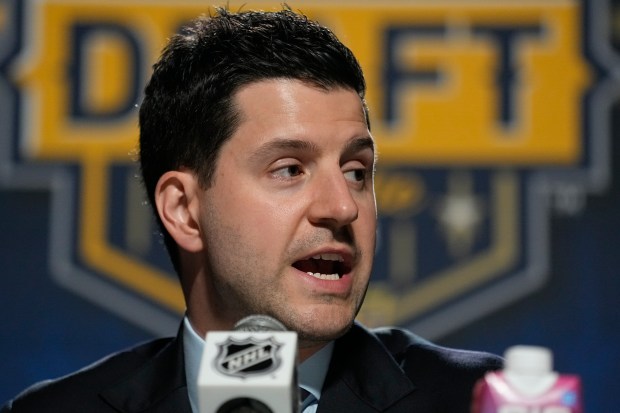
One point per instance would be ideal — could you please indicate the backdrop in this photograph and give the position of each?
(497, 185)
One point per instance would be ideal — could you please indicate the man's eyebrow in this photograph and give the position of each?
(274, 147)
(359, 144)
(278, 145)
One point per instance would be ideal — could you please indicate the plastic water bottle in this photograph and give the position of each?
(528, 384)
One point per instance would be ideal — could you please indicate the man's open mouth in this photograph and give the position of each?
(324, 266)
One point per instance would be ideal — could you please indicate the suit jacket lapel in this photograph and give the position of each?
(159, 386)
(363, 376)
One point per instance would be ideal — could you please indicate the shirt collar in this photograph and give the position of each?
(192, 347)
(311, 373)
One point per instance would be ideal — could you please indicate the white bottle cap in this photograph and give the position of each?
(530, 360)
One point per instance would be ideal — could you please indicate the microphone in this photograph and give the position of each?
(249, 370)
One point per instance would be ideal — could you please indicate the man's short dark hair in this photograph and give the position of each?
(188, 110)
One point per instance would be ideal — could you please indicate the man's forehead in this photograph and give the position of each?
(267, 90)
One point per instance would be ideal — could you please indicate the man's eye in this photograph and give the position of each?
(355, 175)
(288, 171)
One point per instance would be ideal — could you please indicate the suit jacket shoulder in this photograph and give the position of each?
(393, 370)
(417, 356)
(142, 378)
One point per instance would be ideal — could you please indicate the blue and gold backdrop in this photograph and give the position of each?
(496, 187)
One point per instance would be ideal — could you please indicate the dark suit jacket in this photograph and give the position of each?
(382, 370)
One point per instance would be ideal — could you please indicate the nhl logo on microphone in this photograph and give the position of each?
(248, 357)
(248, 365)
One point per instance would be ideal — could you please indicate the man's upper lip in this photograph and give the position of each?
(345, 253)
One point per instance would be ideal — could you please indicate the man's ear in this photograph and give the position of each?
(177, 201)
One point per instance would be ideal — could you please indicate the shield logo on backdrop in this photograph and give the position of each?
(250, 357)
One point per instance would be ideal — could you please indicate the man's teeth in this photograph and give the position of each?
(331, 277)
(328, 257)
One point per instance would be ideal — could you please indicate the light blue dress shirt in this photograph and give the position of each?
(311, 373)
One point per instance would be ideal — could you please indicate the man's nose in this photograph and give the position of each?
(333, 203)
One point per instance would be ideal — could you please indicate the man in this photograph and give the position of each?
(257, 157)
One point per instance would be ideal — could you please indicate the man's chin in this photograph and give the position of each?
(311, 337)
